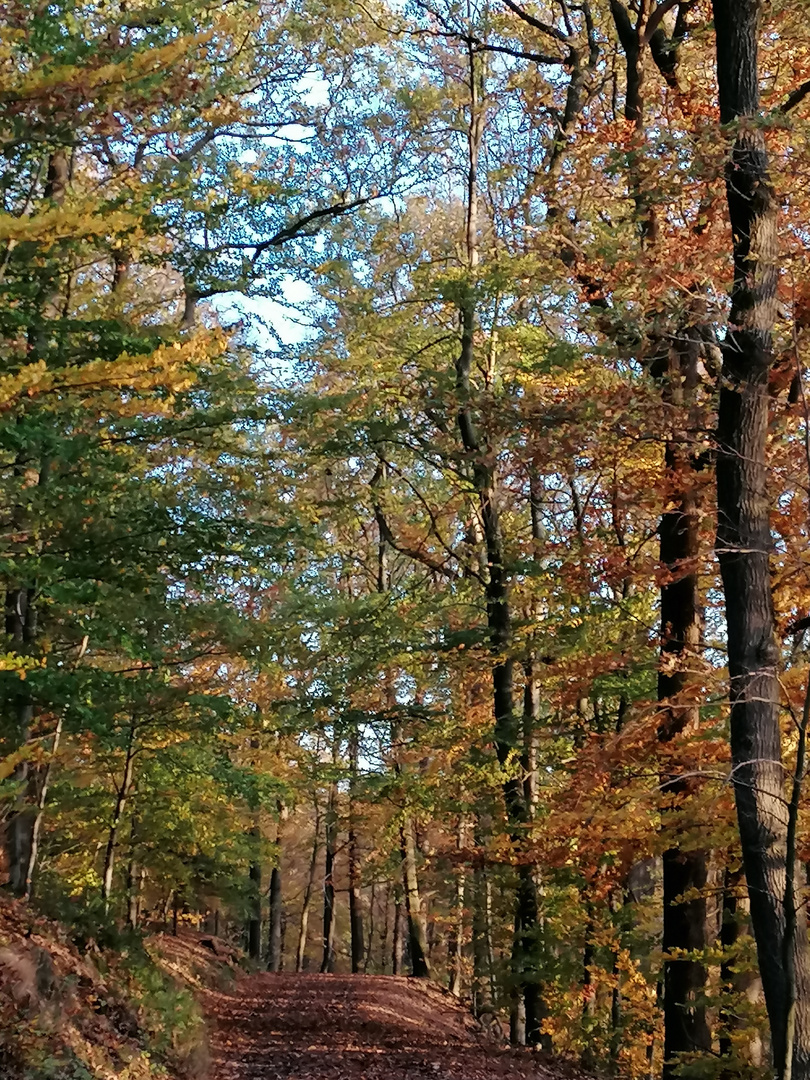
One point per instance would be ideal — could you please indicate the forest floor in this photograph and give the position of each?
(358, 1027)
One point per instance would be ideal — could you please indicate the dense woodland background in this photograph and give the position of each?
(371, 376)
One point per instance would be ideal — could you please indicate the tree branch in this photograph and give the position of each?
(654, 20)
(796, 98)
(538, 24)
(521, 54)
(296, 228)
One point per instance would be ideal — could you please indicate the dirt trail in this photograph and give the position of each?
(333, 1027)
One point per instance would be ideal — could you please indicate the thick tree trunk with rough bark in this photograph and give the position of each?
(744, 541)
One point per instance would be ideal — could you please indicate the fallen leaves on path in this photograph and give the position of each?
(359, 1027)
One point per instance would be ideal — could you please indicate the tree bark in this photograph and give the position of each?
(135, 876)
(275, 928)
(499, 617)
(275, 958)
(328, 958)
(255, 920)
(309, 891)
(455, 944)
(684, 868)
(417, 935)
(743, 537)
(482, 988)
(21, 596)
(355, 889)
(733, 981)
(397, 943)
(120, 806)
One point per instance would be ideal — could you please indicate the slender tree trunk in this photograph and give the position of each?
(616, 1018)
(255, 920)
(417, 935)
(275, 928)
(455, 944)
(386, 928)
(729, 937)
(276, 916)
(371, 928)
(482, 943)
(499, 618)
(684, 870)
(42, 798)
(21, 597)
(328, 959)
(135, 876)
(743, 541)
(309, 891)
(587, 1059)
(355, 889)
(22, 627)
(736, 982)
(120, 806)
(396, 945)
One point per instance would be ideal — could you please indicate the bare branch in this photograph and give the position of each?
(796, 98)
(538, 24)
(654, 20)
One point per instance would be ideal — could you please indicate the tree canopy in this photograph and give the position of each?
(405, 479)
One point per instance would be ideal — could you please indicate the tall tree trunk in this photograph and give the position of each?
(328, 959)
(120, 805)
(499, 618)
(735, 981)
(42, 798)
(455, 944)
(22, 627)
(276, 918)
(397, 943)
(355, 890)
(482, 988)
(385, 952)
(372, 923)
(588, 1059)
(684, 869)
(729, 936)
(21, 597)
(254, 927)
(417, 935)
(309, 891)
(743, 543)
(135, 876)
(44, 784)
(275, 935)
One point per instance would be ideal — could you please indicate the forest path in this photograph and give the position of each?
(336, 1027)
